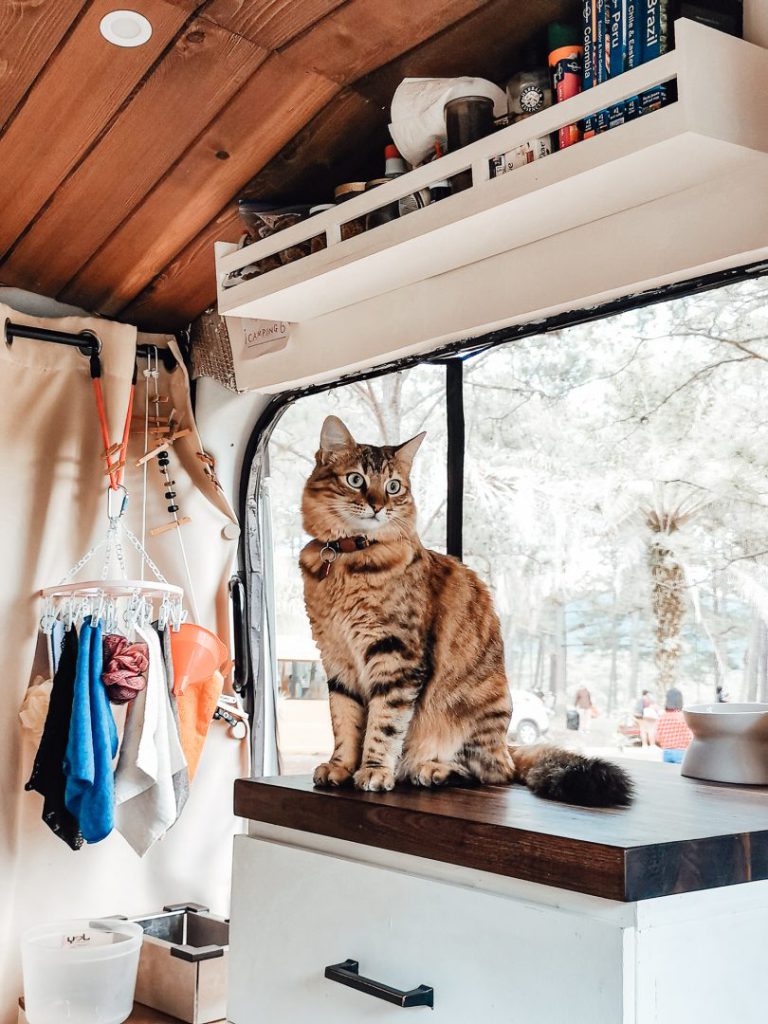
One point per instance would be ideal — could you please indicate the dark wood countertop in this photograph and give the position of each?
(680, 835)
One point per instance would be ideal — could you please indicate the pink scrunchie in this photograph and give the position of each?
(125, 668)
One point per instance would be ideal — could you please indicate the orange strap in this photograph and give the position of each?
(113, 453)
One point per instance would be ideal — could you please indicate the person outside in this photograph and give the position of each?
(585, 707)
(672, 734)
(649, 718)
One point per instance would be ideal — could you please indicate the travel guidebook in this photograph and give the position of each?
(618, 36)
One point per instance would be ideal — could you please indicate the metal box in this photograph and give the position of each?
(183, 964)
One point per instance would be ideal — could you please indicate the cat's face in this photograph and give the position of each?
(359, 489)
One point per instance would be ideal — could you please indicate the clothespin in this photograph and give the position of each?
(113, 467)
(209, 468)
(181, 521)
(178, 615)
(139, 420)
(153, 453)
(163, 447)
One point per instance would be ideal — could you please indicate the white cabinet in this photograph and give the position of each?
(493, 949)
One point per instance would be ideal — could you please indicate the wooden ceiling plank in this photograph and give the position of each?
(364, 34)
(73, 99)
(188, 87)
(269, 110)
(269, 23)
(183, 290)
(29, 34)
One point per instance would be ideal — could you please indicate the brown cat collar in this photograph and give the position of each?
(331, 550)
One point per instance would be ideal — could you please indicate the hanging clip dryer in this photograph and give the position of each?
(115, 599)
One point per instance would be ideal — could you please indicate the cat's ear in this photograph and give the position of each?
(407, 452)
(334, 436)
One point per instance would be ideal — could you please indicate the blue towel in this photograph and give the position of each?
(92, 744)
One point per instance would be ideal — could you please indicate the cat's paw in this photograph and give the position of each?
(328, 774)
(431, 773)
(375, 779)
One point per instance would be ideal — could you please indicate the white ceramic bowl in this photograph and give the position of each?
(730, 743)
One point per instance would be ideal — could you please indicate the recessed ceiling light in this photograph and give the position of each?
(125, 28)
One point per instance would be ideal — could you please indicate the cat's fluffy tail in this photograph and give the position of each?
(572, 778)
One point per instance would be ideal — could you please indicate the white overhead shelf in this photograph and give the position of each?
(717, 125)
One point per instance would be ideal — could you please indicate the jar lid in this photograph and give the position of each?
(485, 100)
(348, 189)
(374, 182)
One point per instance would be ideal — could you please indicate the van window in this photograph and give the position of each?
(615, 500)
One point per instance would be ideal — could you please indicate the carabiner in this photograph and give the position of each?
(112, 493)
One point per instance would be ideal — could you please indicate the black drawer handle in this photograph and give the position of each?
(347, 974)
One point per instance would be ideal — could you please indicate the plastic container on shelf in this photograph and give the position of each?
(529, 91)
(80, 972)
(318, 242)
(265, 219)
(384, 214)
(565, 62)
(342, 194)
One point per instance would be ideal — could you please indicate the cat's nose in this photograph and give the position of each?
(376, 503)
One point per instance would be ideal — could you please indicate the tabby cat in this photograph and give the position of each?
(411, 643)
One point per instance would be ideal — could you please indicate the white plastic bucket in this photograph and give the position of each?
(80, 972)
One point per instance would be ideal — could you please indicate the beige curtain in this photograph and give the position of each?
(52, 509)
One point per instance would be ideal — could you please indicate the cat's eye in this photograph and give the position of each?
(394, 487)
(355, 480)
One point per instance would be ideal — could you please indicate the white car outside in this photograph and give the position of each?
(530, 718)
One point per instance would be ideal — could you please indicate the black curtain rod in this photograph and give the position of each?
(87, 341)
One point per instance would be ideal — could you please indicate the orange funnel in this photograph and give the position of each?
(197, 654)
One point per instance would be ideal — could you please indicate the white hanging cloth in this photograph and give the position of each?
(150, 756)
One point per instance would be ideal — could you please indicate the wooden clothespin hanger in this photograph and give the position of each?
(173, 525)
(163, 446)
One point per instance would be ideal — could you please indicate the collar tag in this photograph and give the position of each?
(328, 556)
(331, 550)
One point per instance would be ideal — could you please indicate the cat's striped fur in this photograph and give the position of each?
(412, 645)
